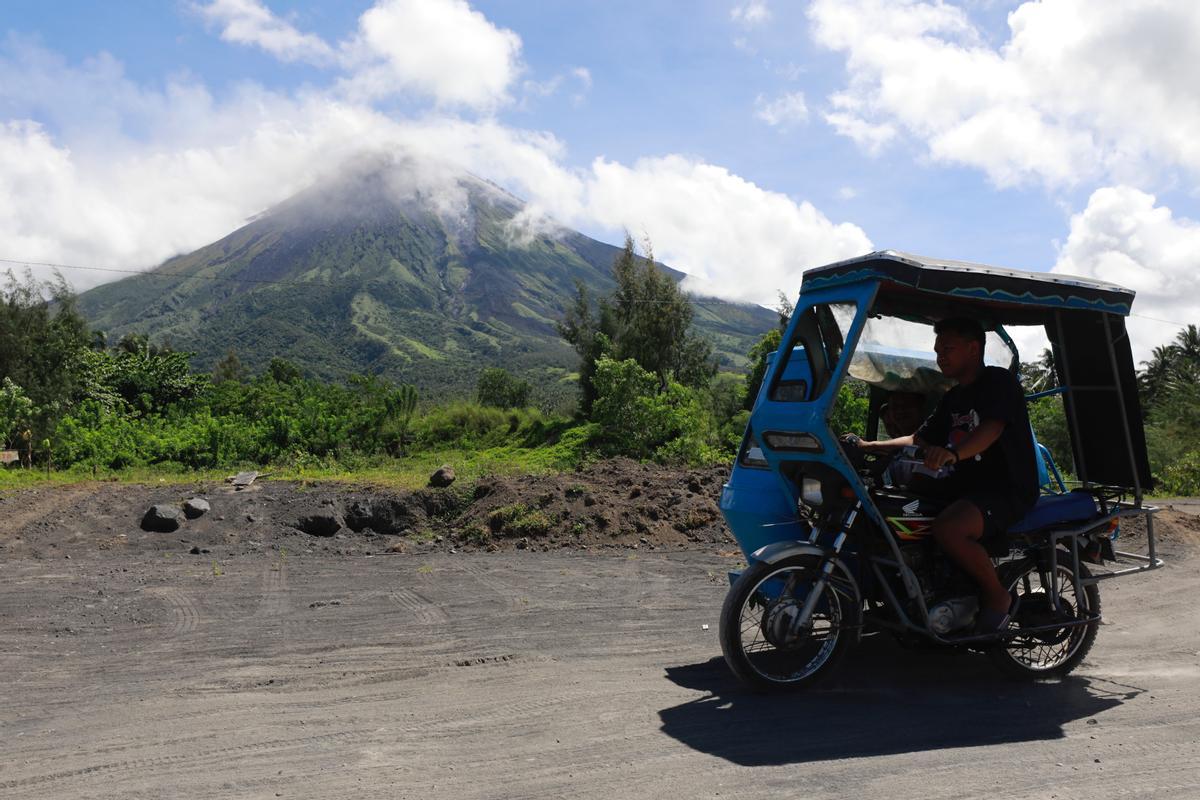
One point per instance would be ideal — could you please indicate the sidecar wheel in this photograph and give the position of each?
(1053, 653)
(760, 642)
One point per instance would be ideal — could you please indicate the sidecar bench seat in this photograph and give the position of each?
(1055, 510)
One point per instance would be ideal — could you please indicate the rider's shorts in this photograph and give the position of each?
(1000, 511)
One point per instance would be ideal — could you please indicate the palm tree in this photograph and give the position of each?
(1038, 376)
(1156, 373)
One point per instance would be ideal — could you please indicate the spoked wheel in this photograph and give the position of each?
(763, 639)
(1055, 651)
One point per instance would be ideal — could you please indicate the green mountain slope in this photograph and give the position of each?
(370, 273)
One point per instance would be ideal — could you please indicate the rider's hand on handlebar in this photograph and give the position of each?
(938, 457)
(852, 440)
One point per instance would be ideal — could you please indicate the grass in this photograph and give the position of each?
(411, 472)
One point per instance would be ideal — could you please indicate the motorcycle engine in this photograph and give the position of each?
(950, 615)
(949, 592)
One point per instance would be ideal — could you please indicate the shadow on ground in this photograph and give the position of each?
(885, 701)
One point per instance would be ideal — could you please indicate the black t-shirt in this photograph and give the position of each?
(1009, 465)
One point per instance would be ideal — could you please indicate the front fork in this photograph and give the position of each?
(824, 571)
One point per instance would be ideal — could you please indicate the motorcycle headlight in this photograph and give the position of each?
(810, 492)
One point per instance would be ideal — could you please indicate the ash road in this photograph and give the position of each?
(510, 675)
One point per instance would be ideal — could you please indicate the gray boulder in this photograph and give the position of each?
(196, 507)
(322, 523)
(162, 518)
(443, 477)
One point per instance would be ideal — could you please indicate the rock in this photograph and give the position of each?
(322, 523)
(162, 518)
(443, 477)
(195, 550)
(243, 479)
(196, 507)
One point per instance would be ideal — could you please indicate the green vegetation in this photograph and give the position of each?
(499, 389)
(1169, 386)
(648, 389)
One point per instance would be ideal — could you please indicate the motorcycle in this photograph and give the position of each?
(837, 548)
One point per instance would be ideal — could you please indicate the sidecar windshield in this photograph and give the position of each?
(819, 337)
(896, 355)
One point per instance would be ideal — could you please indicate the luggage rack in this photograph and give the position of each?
(1114, 507)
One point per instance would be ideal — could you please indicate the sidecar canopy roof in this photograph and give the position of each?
(935, 288)
(1084, 321)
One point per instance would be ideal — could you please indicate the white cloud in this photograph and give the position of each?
(750, 13)
(1082, 89)
(784, 111)
(165, 170)
(731, 236)
(442, 49)
(249, 22)
(847, 193)
(580, 78)
(1124, 237)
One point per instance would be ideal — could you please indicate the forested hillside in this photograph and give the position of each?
(382, 270)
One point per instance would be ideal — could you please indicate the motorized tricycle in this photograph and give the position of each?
(837, 547)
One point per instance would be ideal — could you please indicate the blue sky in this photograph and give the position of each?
(749, 139)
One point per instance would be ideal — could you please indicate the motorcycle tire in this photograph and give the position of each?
(1052, 654)
(756, 630)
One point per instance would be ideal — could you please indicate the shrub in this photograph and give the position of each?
(499, 389)
(635, 419)
(1181, 477)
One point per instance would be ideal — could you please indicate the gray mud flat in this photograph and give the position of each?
(279, 673)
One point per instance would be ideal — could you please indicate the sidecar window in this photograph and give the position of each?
(813, 353)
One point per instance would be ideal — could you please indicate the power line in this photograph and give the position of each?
(1157, 319)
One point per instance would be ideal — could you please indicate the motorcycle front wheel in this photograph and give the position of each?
(762, 637)
(1048, 651)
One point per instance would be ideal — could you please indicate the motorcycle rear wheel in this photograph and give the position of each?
(1054, 653)
(759, 638)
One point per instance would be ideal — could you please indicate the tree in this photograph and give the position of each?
(16, 410)
(283, 371)
(1038, 376)
(499, 389)
(41, 337)
(229, 368)
(399, 405)
(654, 319)
(646, 318)
(590, 332)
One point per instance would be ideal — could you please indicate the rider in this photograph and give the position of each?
(980, 428)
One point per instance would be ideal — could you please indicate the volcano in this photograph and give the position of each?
(417, 274)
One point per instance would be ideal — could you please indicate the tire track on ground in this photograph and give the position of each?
(420, 610)
(185, 759)
(183, 611)
(512, 600)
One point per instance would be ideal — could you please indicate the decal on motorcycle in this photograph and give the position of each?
(911, 528)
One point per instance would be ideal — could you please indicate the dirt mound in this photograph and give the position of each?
(616, 503)
(612, 504)
(1171, 529)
